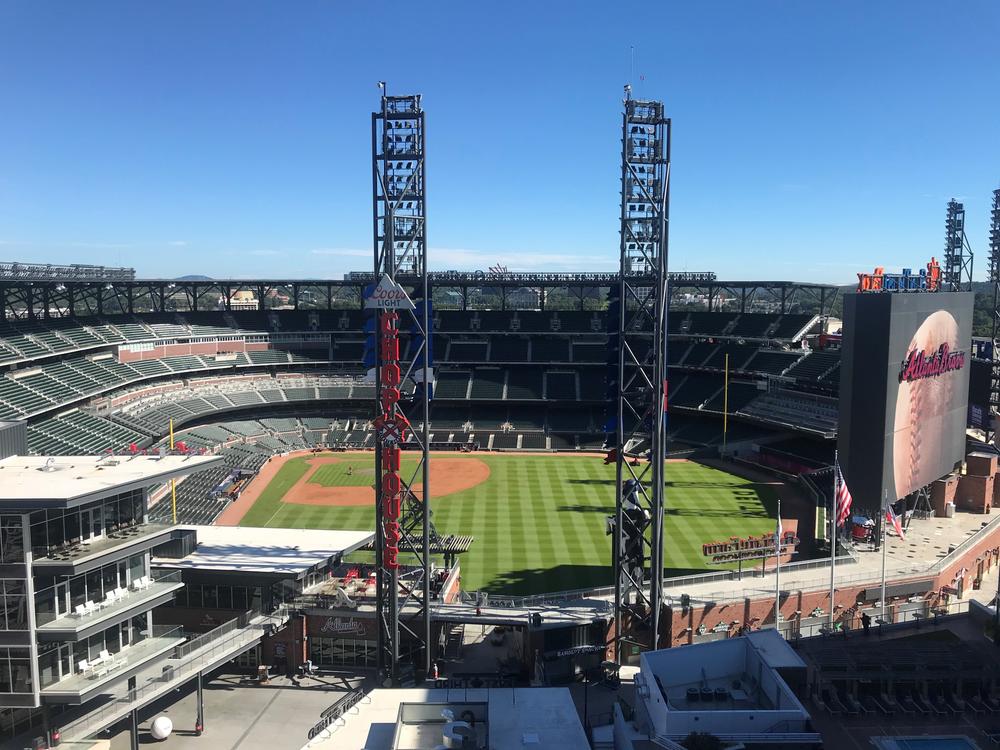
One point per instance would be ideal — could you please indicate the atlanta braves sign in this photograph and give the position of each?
(921, 364)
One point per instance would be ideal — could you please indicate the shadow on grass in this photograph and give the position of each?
(530, 581)
(745, 486)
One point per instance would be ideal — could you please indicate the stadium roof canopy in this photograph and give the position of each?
(64, 481)
(251, 549)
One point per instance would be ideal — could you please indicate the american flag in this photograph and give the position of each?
(843, 496)
(891, 517)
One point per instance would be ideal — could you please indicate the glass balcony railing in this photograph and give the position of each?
(94, 609)
(90, 675)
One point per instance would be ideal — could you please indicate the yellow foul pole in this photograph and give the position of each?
(725, 404)
(173, 482)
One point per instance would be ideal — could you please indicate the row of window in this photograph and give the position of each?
(340, 652)
(51, 529)
(211, 596)
(58, 599)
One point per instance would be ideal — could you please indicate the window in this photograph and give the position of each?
(15, 670)
(13, 605)
(11, 540)
(210, 596)
(338, 652)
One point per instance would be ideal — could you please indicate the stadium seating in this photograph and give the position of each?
(692, 392)
(524, 384)
(467, 351)
(509, 349)
(801, 410)
(487, 383)
(771, 362)
(560, 386)
(499, 359)
(740, 394)
(814, 365)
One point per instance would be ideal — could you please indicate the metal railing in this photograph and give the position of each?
(226, 641)
(334, 712)
(198, 642)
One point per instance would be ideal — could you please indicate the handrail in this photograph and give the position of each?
(213, 635)
(175, 670)
(334, 712)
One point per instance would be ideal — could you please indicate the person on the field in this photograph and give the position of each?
(350, 471)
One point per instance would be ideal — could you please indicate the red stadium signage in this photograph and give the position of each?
(920, 364)
(748, 548)
(391, 427)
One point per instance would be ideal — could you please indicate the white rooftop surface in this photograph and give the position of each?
(518, 718)
(265, 550)
(76, 477)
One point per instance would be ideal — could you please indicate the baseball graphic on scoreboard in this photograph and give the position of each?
(928, 383)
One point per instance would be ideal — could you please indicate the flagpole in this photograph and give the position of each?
(884, 513)
(833, 532)
(777, 571)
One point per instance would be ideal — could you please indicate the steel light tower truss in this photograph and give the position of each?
(640, 341)
(994, 278)
(956, 271)
(403, 529)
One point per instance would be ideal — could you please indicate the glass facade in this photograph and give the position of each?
(15, 670)
(13, 604)
(11, 540)
(60, 597)
(211, 596)
(56, 529)
(341, 652)
(14, 721)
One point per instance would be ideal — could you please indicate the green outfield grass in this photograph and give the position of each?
(539, 520)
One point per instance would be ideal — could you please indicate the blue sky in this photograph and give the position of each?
(811, 141)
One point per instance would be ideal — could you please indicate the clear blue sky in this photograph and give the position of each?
(811, 140)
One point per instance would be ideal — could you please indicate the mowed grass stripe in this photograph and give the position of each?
(539, 521)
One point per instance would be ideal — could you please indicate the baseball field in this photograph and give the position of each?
(538, 520)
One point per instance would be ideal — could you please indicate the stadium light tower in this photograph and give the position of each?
(640, 312)
(957, 270)
(994, 279)
(402, 508)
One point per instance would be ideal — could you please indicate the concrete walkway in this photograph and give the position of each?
(239, 713)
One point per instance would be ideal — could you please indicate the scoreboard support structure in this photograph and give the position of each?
(640, 405)
(994, 279)
(402, 509)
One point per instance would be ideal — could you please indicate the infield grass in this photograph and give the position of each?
(539, 521)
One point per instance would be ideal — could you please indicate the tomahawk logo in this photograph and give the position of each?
(388, 295)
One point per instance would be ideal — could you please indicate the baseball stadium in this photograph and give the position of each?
(491, 479)
(517, 423)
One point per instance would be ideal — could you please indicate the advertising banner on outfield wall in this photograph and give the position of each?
(904, 391)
